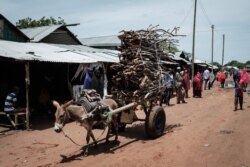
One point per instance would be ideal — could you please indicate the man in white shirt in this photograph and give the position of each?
(206, 75)
(211, 79)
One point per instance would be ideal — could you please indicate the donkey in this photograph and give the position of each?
(68, 111)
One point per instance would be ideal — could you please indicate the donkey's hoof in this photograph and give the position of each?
(86, 153)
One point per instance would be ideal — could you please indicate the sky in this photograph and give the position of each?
(109, 17)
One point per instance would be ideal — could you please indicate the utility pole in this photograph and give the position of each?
(193, 48)
(212, 60)
(222, 63)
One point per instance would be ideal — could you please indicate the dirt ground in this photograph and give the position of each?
(204, 132)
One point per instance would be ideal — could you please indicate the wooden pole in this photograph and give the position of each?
(123, 108)
(27, 83)
(212, 60)
(222, 63)
(193, 48)
(70, 88)
(105, 86)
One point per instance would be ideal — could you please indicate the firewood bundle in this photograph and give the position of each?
(139, 71)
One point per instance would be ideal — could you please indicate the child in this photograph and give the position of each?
(238, 95)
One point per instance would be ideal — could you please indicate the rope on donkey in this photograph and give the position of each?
(67, 136)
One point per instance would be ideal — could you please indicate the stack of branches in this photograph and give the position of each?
(138, 75)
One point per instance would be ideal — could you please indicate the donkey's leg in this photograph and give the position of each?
(90, 129)
(93, 138)
(115, 124)
(86, 152)
(108, 133)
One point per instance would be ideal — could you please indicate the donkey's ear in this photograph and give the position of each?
(67, 104)
(55, 103)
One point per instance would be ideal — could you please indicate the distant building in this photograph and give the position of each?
(180, 60)
(102, 42)
(56, 34)
(248, 68)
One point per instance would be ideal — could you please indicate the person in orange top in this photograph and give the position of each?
(186, 82)
(197, 85)
(221, 78)
(245, 78)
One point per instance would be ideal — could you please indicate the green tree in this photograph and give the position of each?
(247, 63)
(169, 47)
(235, 63)
(29, 22)
(216, 64)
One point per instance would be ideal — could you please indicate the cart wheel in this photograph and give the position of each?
(155, 122)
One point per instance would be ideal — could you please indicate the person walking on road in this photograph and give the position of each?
(180, 92)
(211, 79)
(238, 95)
(221, 78)
(186, 82)
(206, 74)
(168, 83)
(197, 85)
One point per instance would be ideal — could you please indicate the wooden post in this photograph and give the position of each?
(212, 60)
(193, 48)
(70, 87)
(105, 89)
(27, 83)
(223, 46)
(123, 108)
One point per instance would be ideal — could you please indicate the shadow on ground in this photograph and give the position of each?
(135, 133)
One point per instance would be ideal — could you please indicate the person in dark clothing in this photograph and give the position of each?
(168, 83)
(10, 104)
(238, 95)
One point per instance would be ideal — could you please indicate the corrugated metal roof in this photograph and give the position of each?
(41, 52)
(175, 57)
(100, 55)
(38, 33)
(111, 40)
(197, 61)
(169, 62)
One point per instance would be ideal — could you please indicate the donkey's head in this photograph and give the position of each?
(61, 115)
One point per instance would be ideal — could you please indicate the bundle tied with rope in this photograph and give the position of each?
(138, 75)
(93, 104)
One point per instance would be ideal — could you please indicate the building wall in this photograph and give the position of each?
(10, 33)
(60, 36)
(105, 47)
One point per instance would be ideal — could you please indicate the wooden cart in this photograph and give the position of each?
(155, 120)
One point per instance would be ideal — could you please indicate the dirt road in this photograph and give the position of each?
(204, 132)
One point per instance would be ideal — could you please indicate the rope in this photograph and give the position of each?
(67, 136)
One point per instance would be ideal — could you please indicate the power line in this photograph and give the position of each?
(204, 12)
(234, 28)
(220, 29)
(187, 14)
